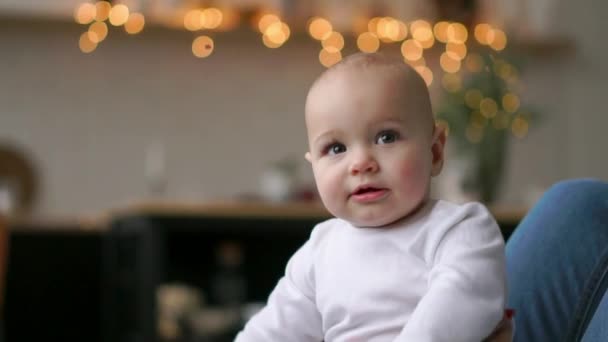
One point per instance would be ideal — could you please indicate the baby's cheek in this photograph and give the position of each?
(414, 176)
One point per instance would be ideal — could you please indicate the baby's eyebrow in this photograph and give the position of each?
(324, 136)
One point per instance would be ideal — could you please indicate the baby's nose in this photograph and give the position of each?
(363, 162)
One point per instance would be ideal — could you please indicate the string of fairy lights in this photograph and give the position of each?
(414, 38)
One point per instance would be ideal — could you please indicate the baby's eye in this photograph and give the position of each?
(335, 148)
(387, 137)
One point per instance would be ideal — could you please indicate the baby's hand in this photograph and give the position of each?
(504, 329)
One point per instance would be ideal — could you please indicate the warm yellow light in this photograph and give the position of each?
(119, 14)
(411, 50)
(457, 33)
(277, 33)
(449, 64)
(472, 98)
(211, 18)
(85, 44)
(85, 13)
(401, 32)
(488, 107)
(334, 42)
(192, 20)
(267, 20)
(419, 24)
(372, 25)
(456, 50)
(135, 24)
(426, 74)
(519, 127)
(102, 10)
(202, 46)
(422, 32)
(474, 62)
(319, 28)
(98, 31)
(391, 30)
(269, 43)
(481, 32)
(510, 102)
(499, 41)
(328, 58)
(451, 82)
(440, 30)
(368, 42)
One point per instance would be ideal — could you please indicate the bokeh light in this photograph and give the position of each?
(411, 49)
(481, 33)
(119, 14)
(202, 46)
(449, 64)
(98, 31)
(456, 50)
(85, 13)
(102, 10)
(211, 18)
(267, 20)
(488, 107)
(334, 42)
(457, 33)
(135, 24)
(318, 28)
(440, 29)
(85, 43)
(368, 42)
(328, 58)
(510, 102)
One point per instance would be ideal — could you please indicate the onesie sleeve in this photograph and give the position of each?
(291, 313)
(466, 284)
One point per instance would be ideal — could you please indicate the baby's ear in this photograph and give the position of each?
(437, 149)
(308, 157)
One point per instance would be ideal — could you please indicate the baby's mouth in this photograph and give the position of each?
(368, 193)
(365, 190)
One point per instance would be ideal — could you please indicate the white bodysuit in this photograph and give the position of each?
(438, 275)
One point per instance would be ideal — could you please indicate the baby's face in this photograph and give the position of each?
(373, 148)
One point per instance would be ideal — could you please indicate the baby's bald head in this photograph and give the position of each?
(402, 83)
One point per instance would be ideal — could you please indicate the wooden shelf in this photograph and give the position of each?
(228, 209)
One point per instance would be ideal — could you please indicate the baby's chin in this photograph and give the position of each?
(381, 221)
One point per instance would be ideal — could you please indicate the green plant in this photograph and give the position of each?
(481, 108)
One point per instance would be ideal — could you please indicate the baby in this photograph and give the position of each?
(394, 265)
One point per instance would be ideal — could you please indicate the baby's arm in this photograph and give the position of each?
(467, 283)
(291, 313)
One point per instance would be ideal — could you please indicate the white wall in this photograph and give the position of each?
(87, 120)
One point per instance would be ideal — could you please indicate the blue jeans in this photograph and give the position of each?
(557, 265)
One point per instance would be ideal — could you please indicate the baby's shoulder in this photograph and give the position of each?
(471, 219)
(453, 213)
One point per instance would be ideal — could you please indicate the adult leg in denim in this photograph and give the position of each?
(597, 331)
(555, 259)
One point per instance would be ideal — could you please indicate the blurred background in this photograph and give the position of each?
(190, 114)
